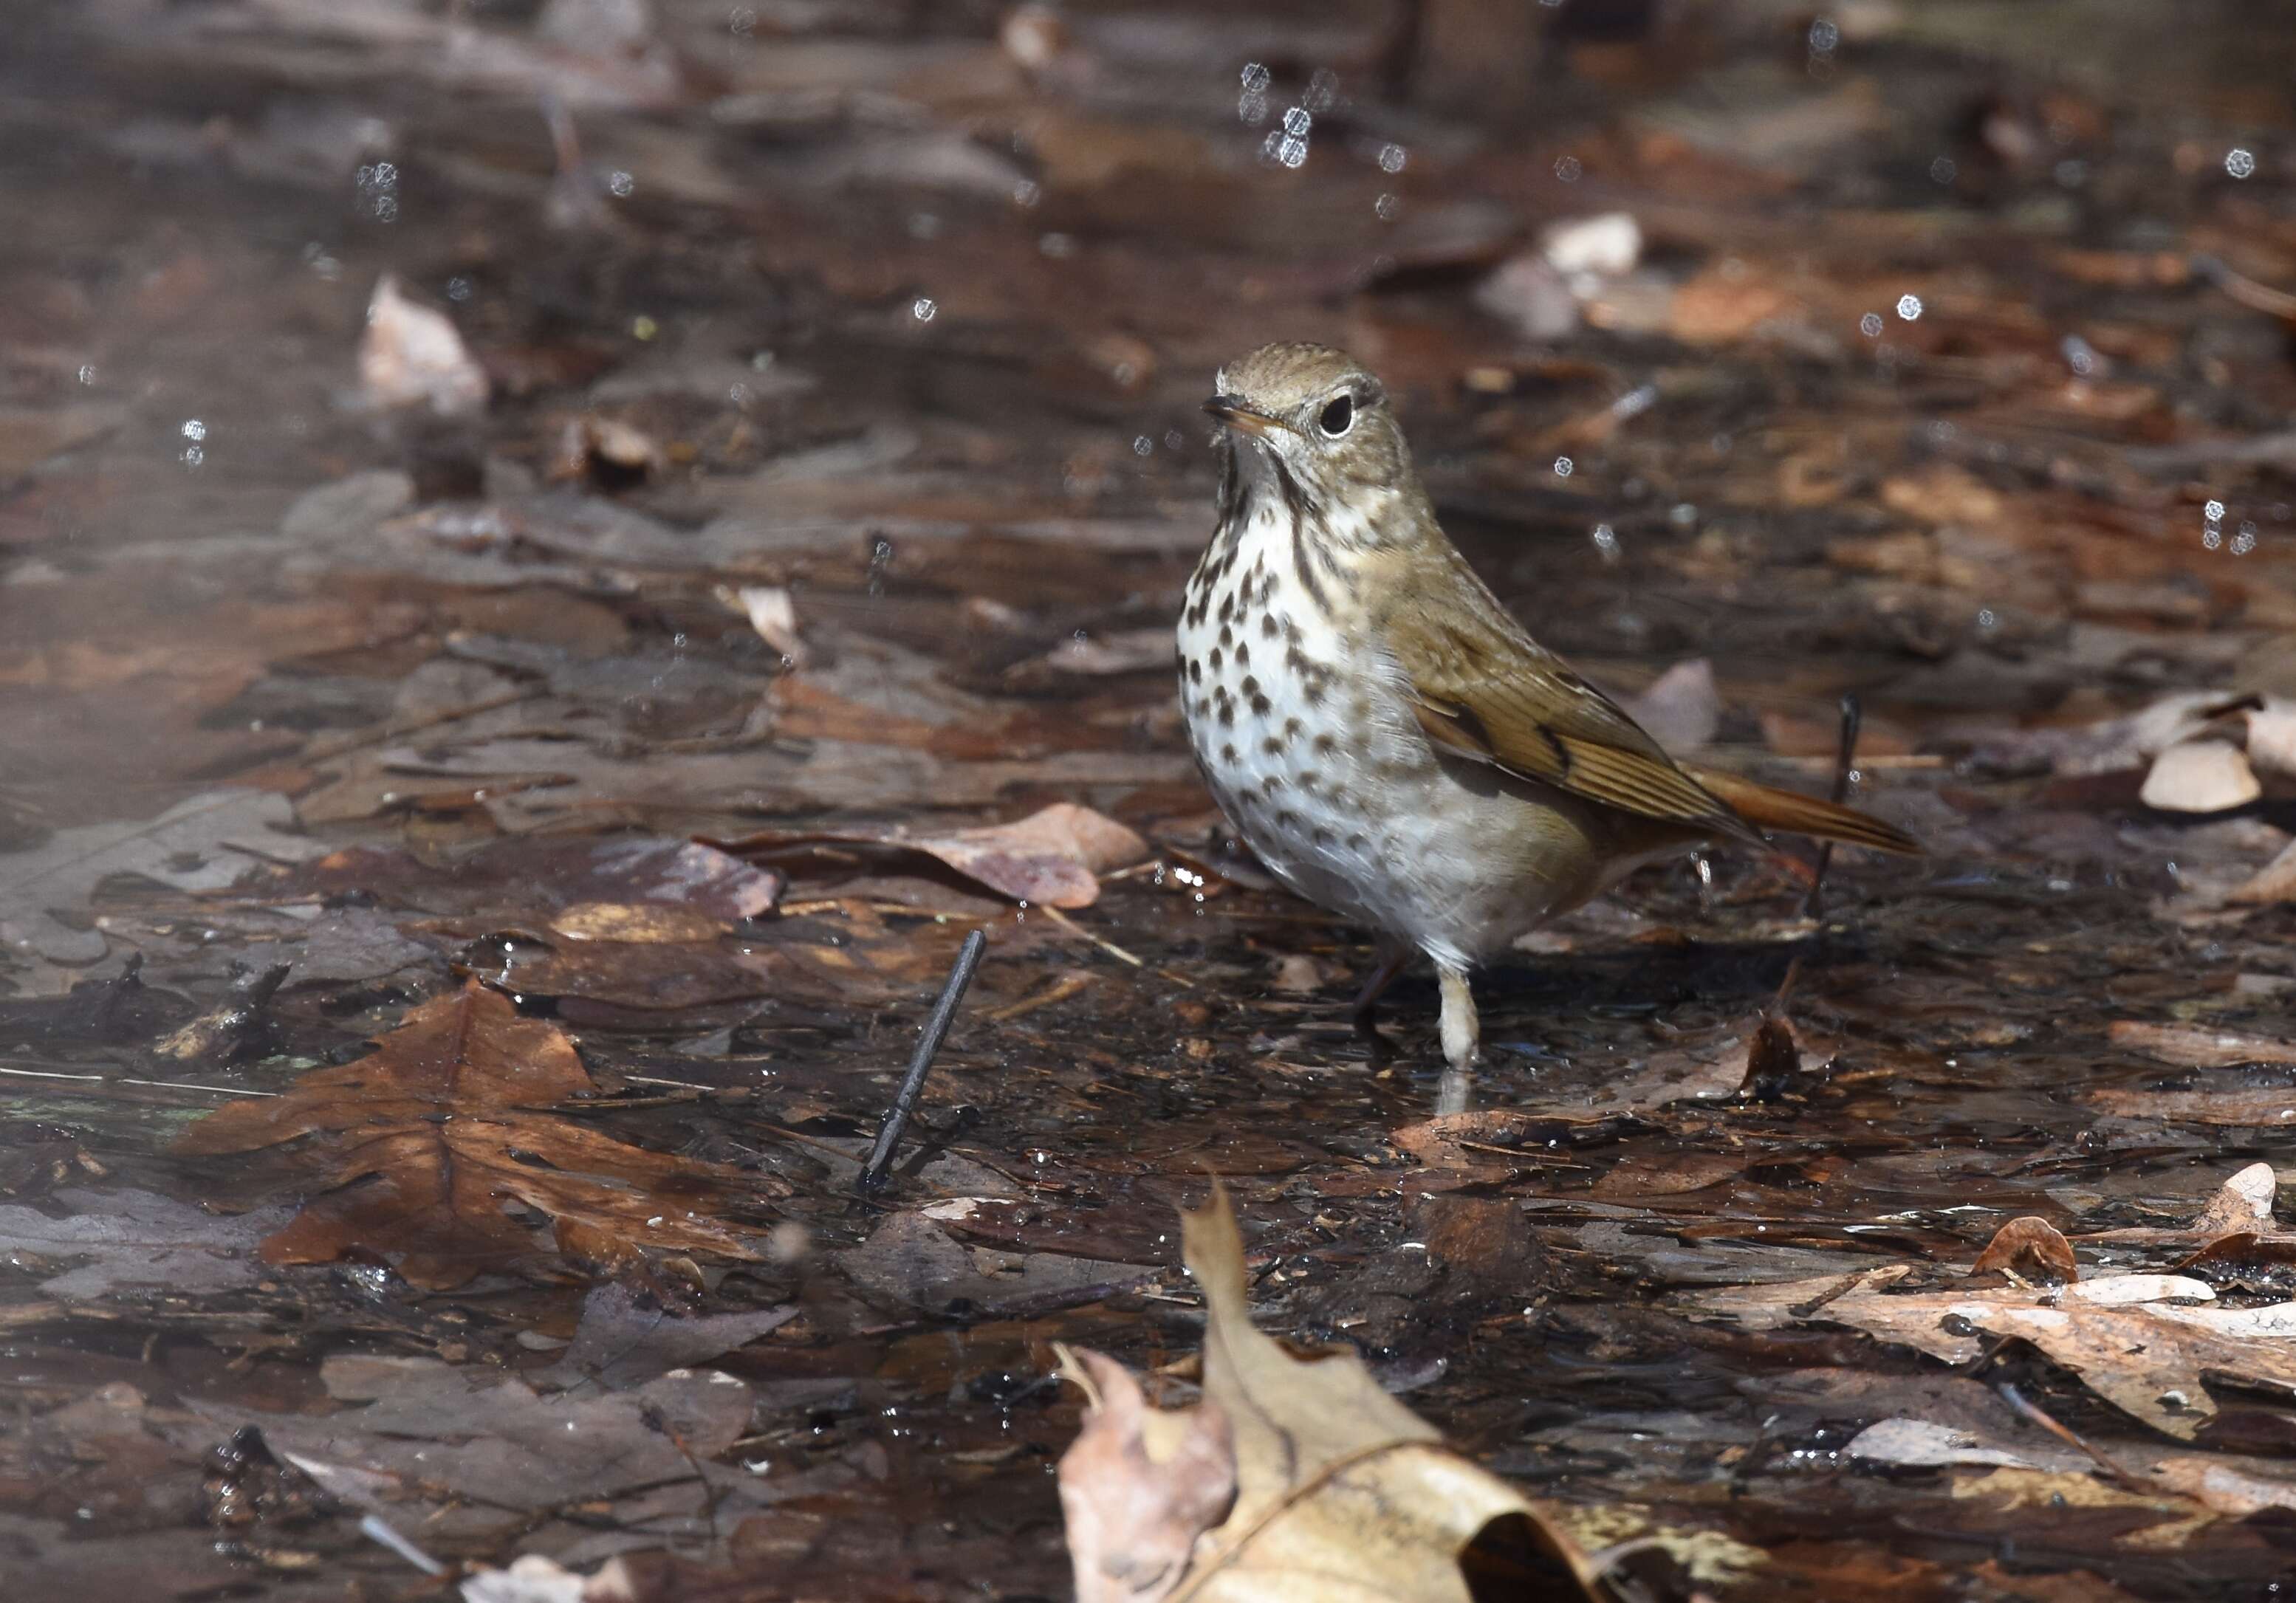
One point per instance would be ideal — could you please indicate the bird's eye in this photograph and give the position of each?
(1339, 416)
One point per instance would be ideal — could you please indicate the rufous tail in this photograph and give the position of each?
(1766, 807)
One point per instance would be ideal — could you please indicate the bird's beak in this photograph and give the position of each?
(1232, 413)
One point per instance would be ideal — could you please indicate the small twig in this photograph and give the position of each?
(1075, 929)
(376, 1529)
(1852, 716)
(1060, 990)
(913, 1084)
(2033, 1414)
(2238, 286)
(227, 1091)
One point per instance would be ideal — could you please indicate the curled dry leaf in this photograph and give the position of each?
(412, 355)
(2142, 1342)
(2031, 1249)
(2200, 776)
(427, 1142)
(2236, 1235)
(1139, 1484)
(1340, 1490)
(1053, 858)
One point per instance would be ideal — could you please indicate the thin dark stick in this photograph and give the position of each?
(912, 1085)
(1852, 716)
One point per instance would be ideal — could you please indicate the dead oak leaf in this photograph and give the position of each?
(1339, 1491)
(2235, 1238)
(2142, 1342)
(1053, 858)
(427, 1142)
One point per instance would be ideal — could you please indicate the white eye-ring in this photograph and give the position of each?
(1339, 415)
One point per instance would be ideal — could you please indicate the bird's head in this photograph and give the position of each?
(1311, 426)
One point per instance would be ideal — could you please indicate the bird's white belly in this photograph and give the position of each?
(1311, 749)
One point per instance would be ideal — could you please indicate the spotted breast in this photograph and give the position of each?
(1310, 752)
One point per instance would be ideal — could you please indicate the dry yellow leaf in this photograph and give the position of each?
(1338, 1491)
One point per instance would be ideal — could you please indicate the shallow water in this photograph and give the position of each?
(1922, 387)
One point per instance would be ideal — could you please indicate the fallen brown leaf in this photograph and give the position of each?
(425, 1142)
(2031, 1249)
(1053, 858)
(1339, 1491)
(2142, 1342)
(2191, 1047)
(1139, 1484)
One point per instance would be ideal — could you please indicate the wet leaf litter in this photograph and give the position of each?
(606, 542)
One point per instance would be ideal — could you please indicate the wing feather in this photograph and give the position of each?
(1484, 689)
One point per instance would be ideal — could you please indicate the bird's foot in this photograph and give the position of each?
(1462, 1032)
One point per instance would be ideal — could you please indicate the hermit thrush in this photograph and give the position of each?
(1390, 742)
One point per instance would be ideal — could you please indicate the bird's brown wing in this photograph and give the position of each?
(1484, 689)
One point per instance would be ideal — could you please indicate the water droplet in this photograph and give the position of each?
(1174, 439)
(1255, 78)
(1562, 467)
(375, 190)
(1987, 619)
(87, 372)
(1870, 325)
(2211, 537)
(2244, 541)
(1392, 157)
(2080, 354)
(2239, 162)
(194, 430)
(1909, 308)
(1026, 193)
(1388, 207)
(1825, 34)
(1568, 168)
(621, 184)
(1942, 170)
(2213, 512)
(1606, 541)
(923, 309)
(1142, 446)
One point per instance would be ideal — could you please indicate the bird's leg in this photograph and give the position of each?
(1461, 1033)
(1393, 955)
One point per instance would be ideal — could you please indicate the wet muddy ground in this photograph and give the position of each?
(815, 482)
